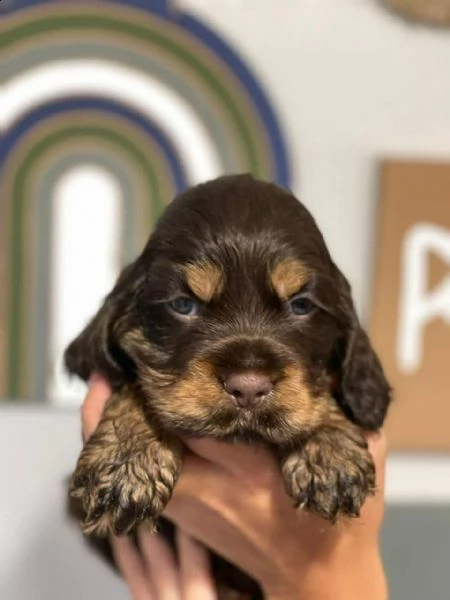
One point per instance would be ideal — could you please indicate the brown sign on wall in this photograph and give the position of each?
(410, 321)
(434, 12)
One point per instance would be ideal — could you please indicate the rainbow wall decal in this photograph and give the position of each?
(137, 87)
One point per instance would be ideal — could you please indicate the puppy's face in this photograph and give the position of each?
(244, 339)
(235, 320)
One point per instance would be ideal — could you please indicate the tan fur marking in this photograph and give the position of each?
(305, 411)
(288, 277)
(141, 350)
(206, 280)
(197, 391)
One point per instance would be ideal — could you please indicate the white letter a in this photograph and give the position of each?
(417, 305)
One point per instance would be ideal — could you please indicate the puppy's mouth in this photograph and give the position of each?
(245, 404)
(226, 422)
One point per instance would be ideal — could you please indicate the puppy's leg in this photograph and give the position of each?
(126, 471)
(331, 472)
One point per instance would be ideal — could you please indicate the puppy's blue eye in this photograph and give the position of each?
(300, 305)
(184, 306)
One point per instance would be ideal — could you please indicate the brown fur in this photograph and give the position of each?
(245, 249)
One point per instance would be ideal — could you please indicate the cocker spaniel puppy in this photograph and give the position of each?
(234, 323)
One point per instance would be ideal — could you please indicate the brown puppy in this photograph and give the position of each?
(233, 323)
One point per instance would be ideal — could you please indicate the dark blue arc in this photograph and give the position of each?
(12, 136)
(163, 9)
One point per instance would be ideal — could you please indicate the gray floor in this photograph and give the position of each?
(416, 549)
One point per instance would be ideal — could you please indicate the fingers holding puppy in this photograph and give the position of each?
(94, 404)
(151, 571)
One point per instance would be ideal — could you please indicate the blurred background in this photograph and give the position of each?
(108, 109)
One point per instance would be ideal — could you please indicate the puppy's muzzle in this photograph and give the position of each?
(248, 369)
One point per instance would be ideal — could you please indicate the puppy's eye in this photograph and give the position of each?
(301, 305)
(184, 306)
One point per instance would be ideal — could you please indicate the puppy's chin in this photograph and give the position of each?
(270, 424)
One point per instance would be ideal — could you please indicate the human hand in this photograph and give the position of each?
(152, 573)
(231, 499)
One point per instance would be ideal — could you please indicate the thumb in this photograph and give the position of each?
(94, 404)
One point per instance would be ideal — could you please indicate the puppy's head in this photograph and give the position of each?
(235, 320)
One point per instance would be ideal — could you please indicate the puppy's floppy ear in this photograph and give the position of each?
(363, 391)
(97, 348)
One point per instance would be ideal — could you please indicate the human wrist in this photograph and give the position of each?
(361, 579)
(353, 579)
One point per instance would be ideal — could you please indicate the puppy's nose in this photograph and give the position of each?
(249, 389)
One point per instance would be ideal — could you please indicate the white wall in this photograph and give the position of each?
(42, 555)
(354, 84)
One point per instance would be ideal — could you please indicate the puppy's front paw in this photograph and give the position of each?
(332, 474)
(119, 488)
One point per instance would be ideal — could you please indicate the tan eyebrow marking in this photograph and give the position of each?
(288, 277)
(206, 280)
